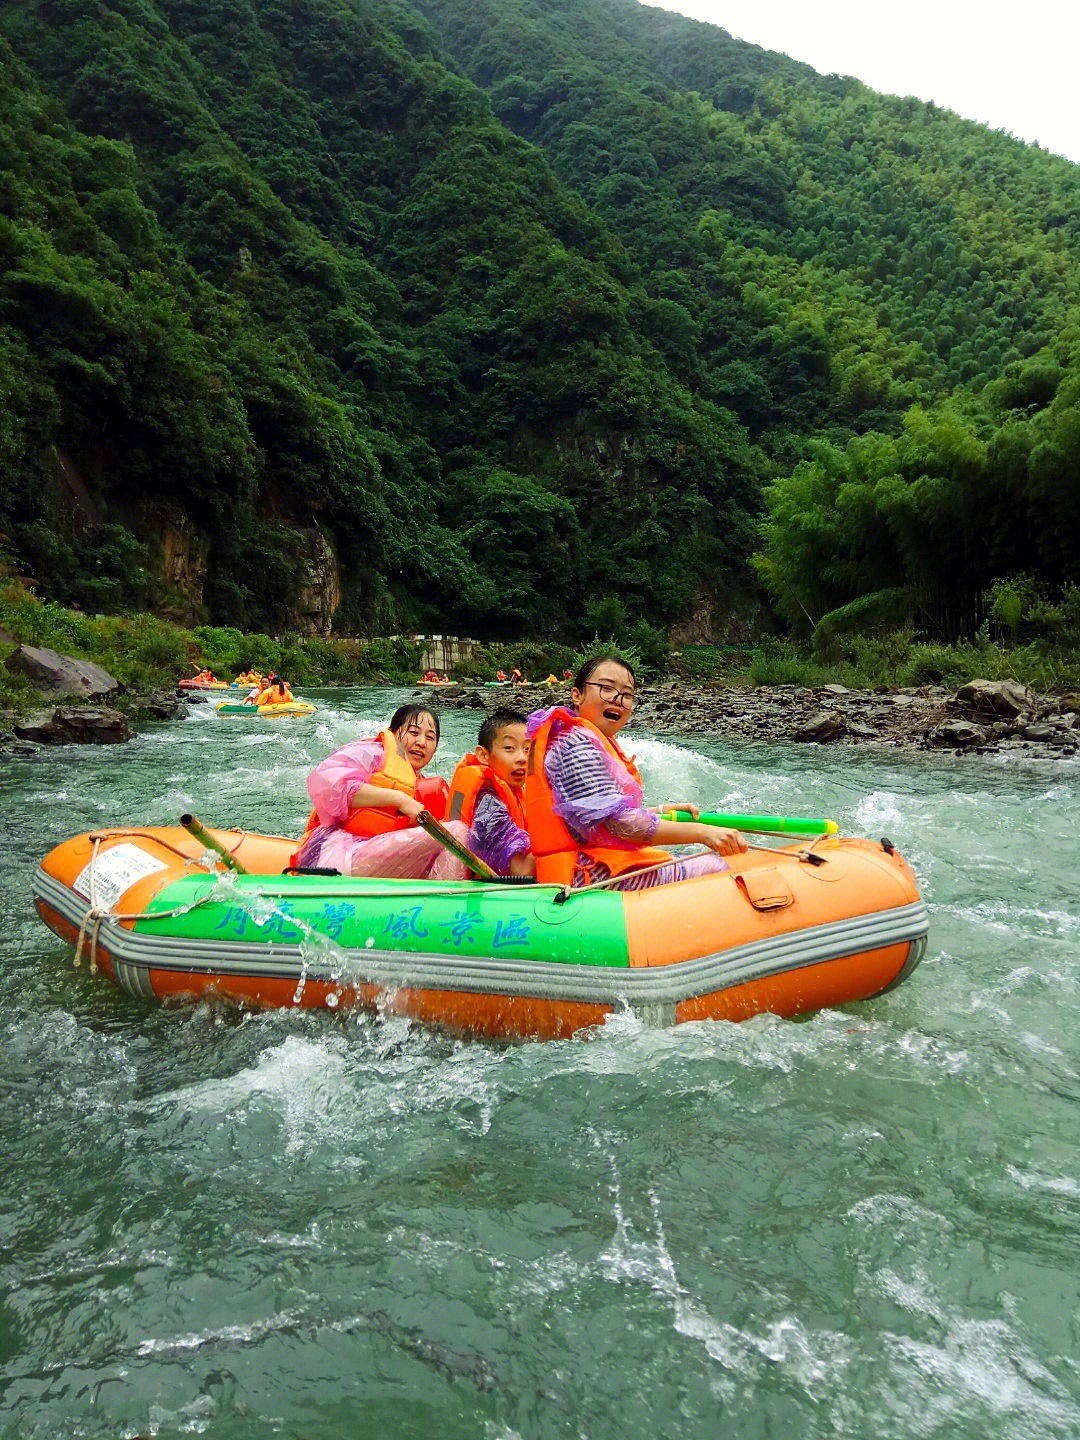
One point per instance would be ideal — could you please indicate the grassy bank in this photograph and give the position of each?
(145, 653)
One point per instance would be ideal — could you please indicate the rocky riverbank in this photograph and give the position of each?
(61, 722)
(983, 717)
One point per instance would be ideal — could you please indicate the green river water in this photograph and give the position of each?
(863, 1224)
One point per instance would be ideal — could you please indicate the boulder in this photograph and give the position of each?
(960, 734)
(9, 746)
(822, 726)
(74, 726)
(54, 673)
(1039, 732)
(993, 697)
(161, 704)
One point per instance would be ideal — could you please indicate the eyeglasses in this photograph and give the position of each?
(612, 695)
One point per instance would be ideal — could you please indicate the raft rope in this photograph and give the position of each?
(800, 856)
(90, 928)
(91, 921)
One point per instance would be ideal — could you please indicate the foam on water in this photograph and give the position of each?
(861, 1225)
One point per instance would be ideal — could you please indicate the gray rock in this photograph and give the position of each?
(74, 726)
(822, 726)
(54, 673)
(8, 746)
(961, 734)
(993, 697)
(161, 704)
(1038, 732)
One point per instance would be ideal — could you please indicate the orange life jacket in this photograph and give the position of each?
(395, 773)
(554, 846)
(470, 779)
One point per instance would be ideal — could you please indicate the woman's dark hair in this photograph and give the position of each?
(581, 679)
(404, 713)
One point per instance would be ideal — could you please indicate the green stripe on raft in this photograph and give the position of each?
(425, 917)
(763, 824)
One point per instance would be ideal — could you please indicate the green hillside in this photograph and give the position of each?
(514, 318)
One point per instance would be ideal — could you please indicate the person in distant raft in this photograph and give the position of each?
(486, 793)
(583, 795)
(367, 796)
(275, 692)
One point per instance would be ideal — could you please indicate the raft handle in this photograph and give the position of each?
(887, 845)
(310, 870)
(812, 858)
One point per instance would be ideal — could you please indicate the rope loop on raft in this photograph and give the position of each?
(90, 928)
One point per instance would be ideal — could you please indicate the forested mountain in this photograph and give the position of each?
(516, 316)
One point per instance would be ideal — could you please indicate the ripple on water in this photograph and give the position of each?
(863, 1224)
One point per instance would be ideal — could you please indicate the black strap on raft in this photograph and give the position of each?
(887, 845)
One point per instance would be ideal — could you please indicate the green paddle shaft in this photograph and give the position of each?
(762, 824)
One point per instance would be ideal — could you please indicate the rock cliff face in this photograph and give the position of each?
(717, 619)
(319, 593)
(184, 558)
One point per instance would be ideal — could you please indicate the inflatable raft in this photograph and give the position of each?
(787, 931)
(265, 712)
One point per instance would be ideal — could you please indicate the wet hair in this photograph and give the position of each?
(404, 713)
(581, 679)
(496, 721)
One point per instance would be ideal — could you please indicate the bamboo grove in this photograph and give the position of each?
(539, 312)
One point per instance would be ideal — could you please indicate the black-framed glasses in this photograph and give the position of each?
(612, 695)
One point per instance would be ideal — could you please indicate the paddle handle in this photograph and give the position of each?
(761, 824)
(195, 827)
(480, 868)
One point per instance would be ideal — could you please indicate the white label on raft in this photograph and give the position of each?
(115, 871)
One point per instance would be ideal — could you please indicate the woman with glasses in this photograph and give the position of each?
(583, 794)
(367, 796)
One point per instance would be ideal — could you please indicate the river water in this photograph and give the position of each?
(862, 1224)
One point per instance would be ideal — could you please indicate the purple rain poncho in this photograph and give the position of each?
(494, 836)
(601, 804)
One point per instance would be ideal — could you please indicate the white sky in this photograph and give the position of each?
(1014, 66)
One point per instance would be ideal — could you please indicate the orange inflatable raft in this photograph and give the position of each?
(788, 930)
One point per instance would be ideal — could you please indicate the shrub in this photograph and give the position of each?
(219, 647)
(596, 646)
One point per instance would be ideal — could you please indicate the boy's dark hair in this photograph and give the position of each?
(496, 721)
(404, 713)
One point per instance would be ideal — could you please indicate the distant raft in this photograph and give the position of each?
(786, 931)
(266, 712)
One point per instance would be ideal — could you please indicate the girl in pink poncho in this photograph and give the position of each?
(366, 804)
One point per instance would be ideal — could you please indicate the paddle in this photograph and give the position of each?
(439, 832)
(195, 827)
(760, 824)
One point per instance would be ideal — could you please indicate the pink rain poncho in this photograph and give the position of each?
(601, 804)
(403, 854)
